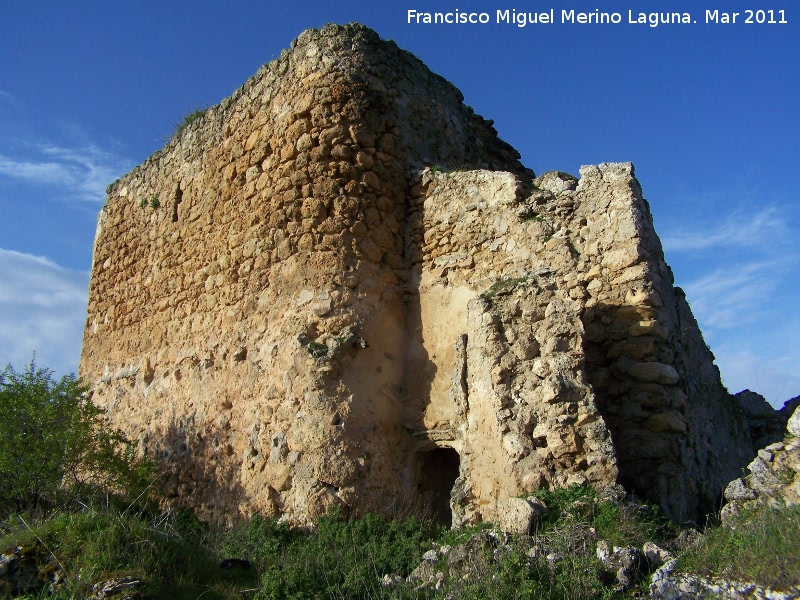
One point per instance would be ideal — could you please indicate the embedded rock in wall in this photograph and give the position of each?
(310, 318)
(774, 477)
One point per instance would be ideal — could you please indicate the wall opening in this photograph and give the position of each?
(439, 470)
(177, 199)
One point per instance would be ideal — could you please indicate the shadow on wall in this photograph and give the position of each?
(435, 465)
(198, 460)
(674, 428)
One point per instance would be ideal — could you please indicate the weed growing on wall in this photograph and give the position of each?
(187, 120)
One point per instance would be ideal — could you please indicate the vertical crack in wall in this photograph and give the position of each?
(459, 392)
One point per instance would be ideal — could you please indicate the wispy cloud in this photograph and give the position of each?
(748, 254)
(42, 310)
(775, 378)
(738, 229)
(734, 294)
(9, 100)
(82, 173)
(739, 262)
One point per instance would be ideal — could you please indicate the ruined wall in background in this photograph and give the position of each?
(293, 314)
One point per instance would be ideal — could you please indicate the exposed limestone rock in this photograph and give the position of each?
(627, 565)
(793, 426)
(517, 514)
(656, 555)
(124, 588)
(774, 477)
(774, 481)
(322, 313)
(27, 570)
(668, 585)
(789, 408)
(466, 562)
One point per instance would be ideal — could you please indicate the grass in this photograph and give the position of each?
(153, 202)
(511, 572)
(168, 552)
(504, 286)
(528, 214)
(761, 545)
(620, 524)
(461, 168)
(317, 349)
(177, 556)
(342, 559)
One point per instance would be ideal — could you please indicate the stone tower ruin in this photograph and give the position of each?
(340, 288)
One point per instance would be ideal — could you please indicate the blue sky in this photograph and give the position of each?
(707, 113)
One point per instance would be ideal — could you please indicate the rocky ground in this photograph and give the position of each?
(574, 543)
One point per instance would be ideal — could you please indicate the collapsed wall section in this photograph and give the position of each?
(497, 372)
(678, 435)
(582, 360)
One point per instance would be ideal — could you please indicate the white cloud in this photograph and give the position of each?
(9, 99)
(777, 379)
(35, 172)
(82, 173)
(42, 310)
(739, 229)
(750, 255)
(744, 263)
(735, 294)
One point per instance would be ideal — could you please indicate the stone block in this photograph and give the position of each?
(516, 515)
(654, 372)
(793, 426)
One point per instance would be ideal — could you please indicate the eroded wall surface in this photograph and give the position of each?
(292, 312)
(583, 361)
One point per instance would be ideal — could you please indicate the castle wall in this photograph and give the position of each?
(250, 330)
(504, 345)
(288, 311)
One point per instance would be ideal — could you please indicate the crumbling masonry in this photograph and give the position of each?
(351, 293)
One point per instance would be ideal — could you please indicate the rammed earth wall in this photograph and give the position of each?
(311, 318)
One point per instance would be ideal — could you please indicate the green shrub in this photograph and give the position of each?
(341, 559)
(619, 523)
(187, 120)
(517, 575)
(259, 540)
(54, 444)
(529, 214)
(504, 286)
